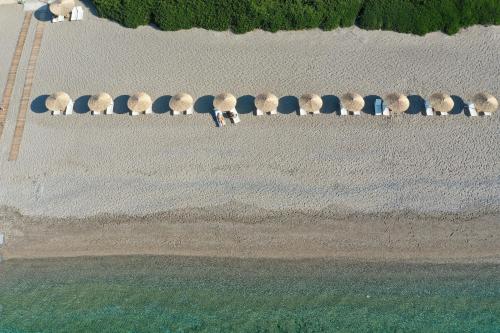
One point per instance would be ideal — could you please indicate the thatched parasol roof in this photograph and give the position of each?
(57, 101)
(62, 7)
(139, 102)
(266, 102)
(353, 102)
(100, 102)
(181, 102)
(397, 103)
(441, 102)
(225, 102)
(310, 102)
(485, 102)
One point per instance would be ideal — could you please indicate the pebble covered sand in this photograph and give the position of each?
(82, 165)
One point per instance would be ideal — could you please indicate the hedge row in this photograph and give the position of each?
(409, 16)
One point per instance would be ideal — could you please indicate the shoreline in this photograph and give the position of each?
(294, 235)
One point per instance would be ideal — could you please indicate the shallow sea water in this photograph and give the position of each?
(184, 294)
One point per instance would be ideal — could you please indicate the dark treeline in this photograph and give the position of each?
(408, 16)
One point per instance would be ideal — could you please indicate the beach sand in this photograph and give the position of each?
(338, 186)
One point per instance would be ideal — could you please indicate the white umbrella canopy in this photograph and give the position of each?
(62, 7)
(139, 102)
(397, 103)
(485, 102)
(225, 102)
(441, 102)
(266, 102)
(353, 102)
(181, 102)
(310, 102)
(58, 101)
(100, 102)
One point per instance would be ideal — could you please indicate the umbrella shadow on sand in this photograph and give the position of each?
(331, 104)
(38, 104)
(43, 14)
(369, 107)
(459, 105)
(245, 104)
(288, 105)
(161, 104)
(120, 104)
(82, 104)
(205, 105)
(417, 105)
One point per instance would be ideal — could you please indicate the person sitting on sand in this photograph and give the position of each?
(220, 119)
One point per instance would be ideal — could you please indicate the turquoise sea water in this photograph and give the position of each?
(176, 294)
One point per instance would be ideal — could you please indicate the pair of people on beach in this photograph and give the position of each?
(220, 117)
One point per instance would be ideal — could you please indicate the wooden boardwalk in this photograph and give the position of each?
(25, 99)
(11, 78)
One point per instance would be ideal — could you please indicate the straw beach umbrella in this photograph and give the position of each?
(62, 7)
(485, 102)
(310, 103)
(181, 102)
(352, 101)
(139, 102)
(58, 101)
(100, 102)
(397, 103)
(225, 102)
(266, 103)
(441, 102)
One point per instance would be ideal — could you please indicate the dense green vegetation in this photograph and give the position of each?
(409, 16)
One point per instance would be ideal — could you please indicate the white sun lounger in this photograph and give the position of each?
(133, 113)
(74, 14)
(428, 109)
(149, 110)
(56, 112)
(59, 18)
(110, 108)
(190, 110)
(79, 11)
(259, 112)
(316, 112)
(472, 110)
(2, 238)
(175, 113)
(218, 114)
(236, 118)
(356, 113)
(302, 112)
(378, 107)
(69, 108)
(386, 111)
(344, 112)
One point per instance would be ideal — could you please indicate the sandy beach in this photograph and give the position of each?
(407, 187)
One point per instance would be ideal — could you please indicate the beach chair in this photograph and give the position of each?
(428, 109)
(74, 14)
(356, 113)
(2, 238)
(219, 118)
(133, 113)
(378, 107)
(175, 113)
(386, 111)
(69, 108)
(79, 11)
(316, 112)
(149, 110)
(235, 116)
(343, 111)
(302, 112)
(190, 110)
(109, 109)
(259, 112)
(56, 112)
(472, 110)
(59, 18)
